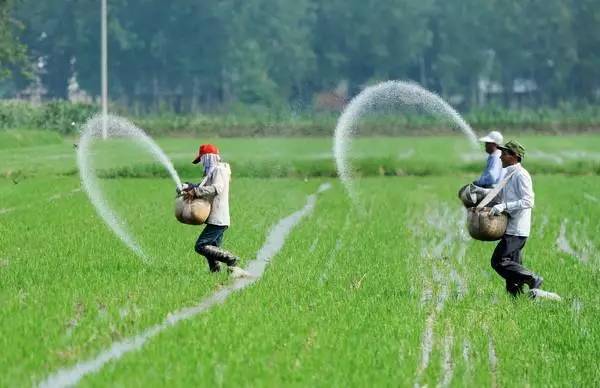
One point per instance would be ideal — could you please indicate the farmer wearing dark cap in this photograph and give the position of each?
(517, 200)
(215, 188)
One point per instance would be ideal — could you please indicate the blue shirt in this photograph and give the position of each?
(492, 175)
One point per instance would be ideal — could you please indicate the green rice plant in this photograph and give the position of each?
(70, 287)
(27, 138)
(301, 157)
(387, 291)
(393, 295)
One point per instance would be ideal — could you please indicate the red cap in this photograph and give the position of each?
(205, 149)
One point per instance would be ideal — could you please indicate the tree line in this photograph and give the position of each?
(190, 55)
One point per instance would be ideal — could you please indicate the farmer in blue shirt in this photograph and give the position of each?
(493, 173)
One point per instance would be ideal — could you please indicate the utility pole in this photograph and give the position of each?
(104, 71)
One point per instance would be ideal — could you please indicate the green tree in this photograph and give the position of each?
(189, 54)
(585, 74)
(364, 40)
(13, 54)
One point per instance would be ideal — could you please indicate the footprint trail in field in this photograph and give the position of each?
(584, 254)
(273, 244)
(444, 241)
(466, 354)
(493, 360)
(426, 347)
(7, 210)
(447, 363)
(330, 260)
(590, 197)
(542, 228)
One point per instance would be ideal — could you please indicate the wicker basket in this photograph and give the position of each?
(484, 227)
(191, 211)
(469, 196)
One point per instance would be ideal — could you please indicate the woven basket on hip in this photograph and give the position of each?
(484, 227)
(191, 211)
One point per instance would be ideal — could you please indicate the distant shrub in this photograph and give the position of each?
(386, 166)
(59, 116)
(65, 118)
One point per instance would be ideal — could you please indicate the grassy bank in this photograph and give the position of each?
(306, 157)
(388, 294)
(66, 118)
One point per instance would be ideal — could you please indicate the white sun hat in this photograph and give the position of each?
(493, 137)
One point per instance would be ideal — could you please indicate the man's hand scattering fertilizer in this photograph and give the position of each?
(186, 186)
(497, 209)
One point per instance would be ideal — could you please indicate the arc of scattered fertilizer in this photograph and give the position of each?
(116, 126)
(390, 91)
(273, 244)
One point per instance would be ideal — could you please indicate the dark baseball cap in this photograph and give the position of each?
(514, 147)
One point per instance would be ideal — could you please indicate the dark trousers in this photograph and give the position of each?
(506, 260)
(211, 235)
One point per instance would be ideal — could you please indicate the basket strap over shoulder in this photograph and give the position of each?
(494, 192)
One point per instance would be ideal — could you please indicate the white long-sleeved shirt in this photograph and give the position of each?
(518, 196)
(216, 188)
(493, 173)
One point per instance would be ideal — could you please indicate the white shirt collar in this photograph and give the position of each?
(513, 167)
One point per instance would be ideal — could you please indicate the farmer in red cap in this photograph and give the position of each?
(214, 188)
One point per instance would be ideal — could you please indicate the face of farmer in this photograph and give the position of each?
(508, 158)
(490, 147)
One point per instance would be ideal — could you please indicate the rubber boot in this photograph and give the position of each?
(213, 265)
(514, 289)
(218, 254)
(535, 282)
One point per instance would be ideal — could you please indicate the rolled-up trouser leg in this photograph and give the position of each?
(211, 235)
(506, 261)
